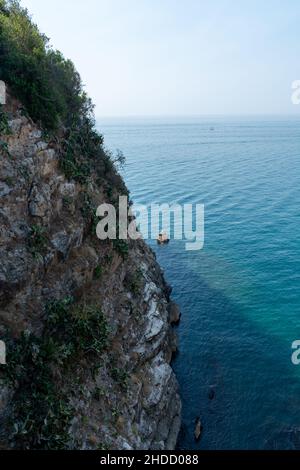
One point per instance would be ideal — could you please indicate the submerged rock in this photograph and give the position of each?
(198, 430)
(174, 312)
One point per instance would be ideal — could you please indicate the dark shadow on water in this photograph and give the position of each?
(255, 402)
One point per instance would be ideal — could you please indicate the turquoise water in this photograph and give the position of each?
(240, 295)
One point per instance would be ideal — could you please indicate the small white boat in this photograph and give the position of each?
(163, 238)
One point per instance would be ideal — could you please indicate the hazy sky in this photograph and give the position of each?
(171, 57)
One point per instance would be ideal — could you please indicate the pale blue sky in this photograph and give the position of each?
(170, 57)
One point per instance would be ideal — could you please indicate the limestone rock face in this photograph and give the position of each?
(129, 398)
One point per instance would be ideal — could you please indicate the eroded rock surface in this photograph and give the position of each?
(128, 398)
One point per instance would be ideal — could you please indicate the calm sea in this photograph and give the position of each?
(240, 295)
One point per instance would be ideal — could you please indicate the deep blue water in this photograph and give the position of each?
(240, 295)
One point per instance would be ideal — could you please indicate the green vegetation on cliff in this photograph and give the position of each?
(41, 411)
(46, 88)
(51, 91)
(45, 82)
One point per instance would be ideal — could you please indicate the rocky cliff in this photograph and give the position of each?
(87, 323)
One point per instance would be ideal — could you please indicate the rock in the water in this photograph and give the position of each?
(198, 430)
(174, 312)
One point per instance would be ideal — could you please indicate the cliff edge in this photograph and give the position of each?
(86, 322)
